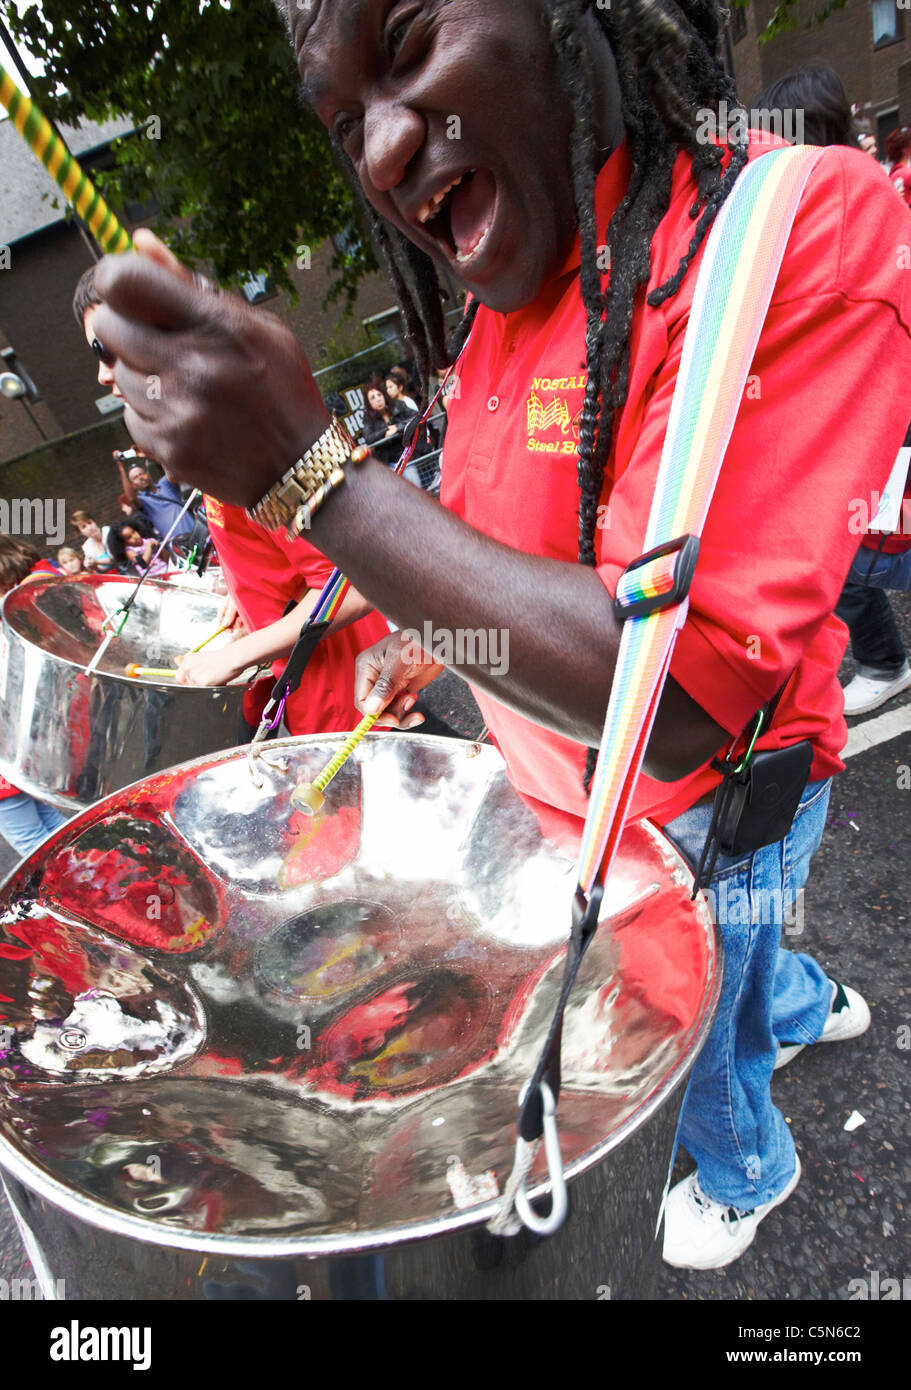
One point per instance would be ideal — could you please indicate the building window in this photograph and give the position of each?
(257, 288)
(886, 122)
(738, 22)
(888, 24)
(142, 212)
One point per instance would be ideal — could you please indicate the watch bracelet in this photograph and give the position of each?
(296, 497)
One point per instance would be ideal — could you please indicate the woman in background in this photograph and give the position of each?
(397, 388)
(384, 423)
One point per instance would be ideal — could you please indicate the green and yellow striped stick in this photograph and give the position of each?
(150, 673)
(62, 167)
(308, 796)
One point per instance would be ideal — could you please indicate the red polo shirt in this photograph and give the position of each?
(818, 427)
(263, 571)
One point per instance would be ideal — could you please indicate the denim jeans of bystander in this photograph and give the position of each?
(876, 643)
(25, 822)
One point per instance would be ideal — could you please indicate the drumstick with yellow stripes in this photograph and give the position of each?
(151, 673)
(308, 796)
(206, 640)
(77, 187)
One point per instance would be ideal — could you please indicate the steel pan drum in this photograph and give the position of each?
(250, 1054)
(70, 738)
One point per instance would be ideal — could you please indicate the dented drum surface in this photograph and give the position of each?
(71, 738)
(248, 1052)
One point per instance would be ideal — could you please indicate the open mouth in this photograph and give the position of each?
(461, 215)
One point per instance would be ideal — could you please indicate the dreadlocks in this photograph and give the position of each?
(666, 54)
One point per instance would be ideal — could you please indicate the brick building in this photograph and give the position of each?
(868, 42)
(57, 450)
(42, 256)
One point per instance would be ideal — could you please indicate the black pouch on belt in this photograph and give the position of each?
(757, 800)
(757, 805)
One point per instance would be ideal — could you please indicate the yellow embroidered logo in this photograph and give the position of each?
(214, 514)
(547, 409)
(541, 417)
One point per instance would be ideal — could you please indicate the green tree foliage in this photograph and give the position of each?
(242, 171)
(783, 19)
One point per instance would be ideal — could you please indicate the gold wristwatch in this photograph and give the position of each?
(295, 498)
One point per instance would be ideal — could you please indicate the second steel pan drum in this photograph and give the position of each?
(252, 1054)
(72, 738)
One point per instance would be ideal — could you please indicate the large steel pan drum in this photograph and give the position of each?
(249, 1054)
(71, 738)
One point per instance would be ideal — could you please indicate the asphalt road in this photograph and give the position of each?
(848, 1219)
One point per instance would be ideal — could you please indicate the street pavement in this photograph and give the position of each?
(845, 1229)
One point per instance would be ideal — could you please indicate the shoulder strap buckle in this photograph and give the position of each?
(659, 579)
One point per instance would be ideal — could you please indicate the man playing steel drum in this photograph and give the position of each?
(554, 157)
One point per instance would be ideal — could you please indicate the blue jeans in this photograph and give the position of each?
(739, 1139)
(25, 822)
(876, 643)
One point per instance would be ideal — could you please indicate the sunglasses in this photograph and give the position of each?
(102, 353)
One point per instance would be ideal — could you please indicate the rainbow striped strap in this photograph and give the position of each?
(742, 259)
(47, 145)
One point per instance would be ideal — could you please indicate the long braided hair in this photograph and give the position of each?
(670, 73)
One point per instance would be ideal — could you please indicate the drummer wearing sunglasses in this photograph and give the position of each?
(548, 155)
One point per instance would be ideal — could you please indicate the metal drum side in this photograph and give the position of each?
(71, 739)
(301, 1070)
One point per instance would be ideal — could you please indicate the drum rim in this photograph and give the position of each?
(110, 1221)
(95, 581)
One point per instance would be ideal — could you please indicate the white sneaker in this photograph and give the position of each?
(849, 1016)
(702, 1234)
(866, 693)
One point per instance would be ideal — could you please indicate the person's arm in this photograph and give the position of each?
(563, 636)
(129, 491)
(165, 488)
(373, 429)
(266, 644)
(251, 404)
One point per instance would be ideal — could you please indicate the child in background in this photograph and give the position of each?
(133, 548)
(69, 560)
(20, 561)
(97, 557)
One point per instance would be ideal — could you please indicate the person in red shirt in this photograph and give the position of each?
(574, 207)
(265, 572)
